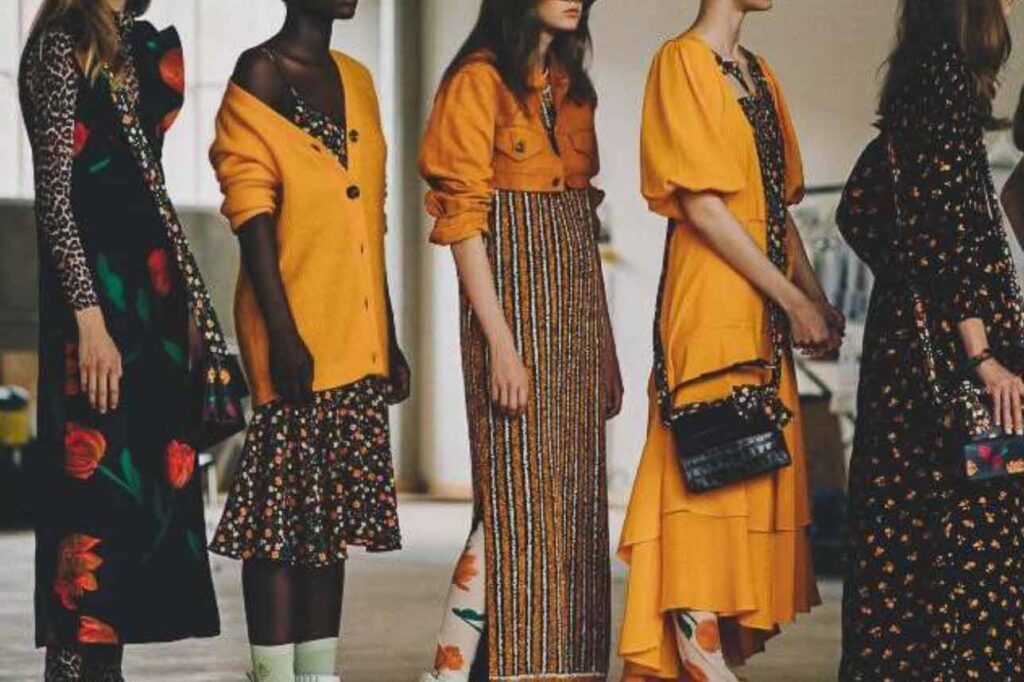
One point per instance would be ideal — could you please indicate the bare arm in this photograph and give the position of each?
(291, 363)
(708, 215)
(509, 378)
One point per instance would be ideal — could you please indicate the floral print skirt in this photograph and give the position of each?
(314, 480)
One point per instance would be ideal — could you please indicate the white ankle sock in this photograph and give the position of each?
(317, 657)
(273, 663)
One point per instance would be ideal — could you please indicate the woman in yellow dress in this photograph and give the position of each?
(713, 575)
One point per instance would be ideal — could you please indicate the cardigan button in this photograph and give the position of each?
(353, 192)
(557, 182)
(353, 136)
(520, 147)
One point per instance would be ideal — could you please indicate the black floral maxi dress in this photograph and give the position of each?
(935, 566)
(121, 551)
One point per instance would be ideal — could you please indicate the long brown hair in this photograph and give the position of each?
(510, 30)
(91, 24)
(977, 27)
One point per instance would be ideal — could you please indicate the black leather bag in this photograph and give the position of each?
(731, 440)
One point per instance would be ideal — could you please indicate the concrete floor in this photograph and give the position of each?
(392, 608)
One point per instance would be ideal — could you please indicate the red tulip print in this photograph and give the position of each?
(94, 631)
(165, 124)
(159, 272)
(180, 464)
(83, 450)
(80, 137)
(172, 70)
(76, 566)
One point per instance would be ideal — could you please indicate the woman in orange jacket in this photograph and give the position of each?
(300, 157)
(712, 575)
(509, 154)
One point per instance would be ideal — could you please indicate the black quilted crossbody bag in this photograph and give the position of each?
(731, 440)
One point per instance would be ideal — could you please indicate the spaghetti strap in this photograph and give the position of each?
(275, 59)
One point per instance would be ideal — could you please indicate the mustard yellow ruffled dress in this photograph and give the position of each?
(742, 551)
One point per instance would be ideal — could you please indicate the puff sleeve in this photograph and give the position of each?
(682, 140)
(246, 169)
(457, 155)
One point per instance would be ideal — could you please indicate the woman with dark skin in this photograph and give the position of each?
(317, 332)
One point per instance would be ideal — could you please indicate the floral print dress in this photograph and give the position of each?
(935, 561)
(315, 479)
(121, 552)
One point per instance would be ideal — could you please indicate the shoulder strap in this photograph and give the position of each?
(151, 169)
(664, 391)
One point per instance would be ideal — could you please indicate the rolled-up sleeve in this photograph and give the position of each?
(248, 174)
(457, 155)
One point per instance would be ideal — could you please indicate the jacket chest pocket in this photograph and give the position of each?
(517, 145)
(579, 148)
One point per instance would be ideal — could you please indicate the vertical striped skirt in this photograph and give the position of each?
(540, 479)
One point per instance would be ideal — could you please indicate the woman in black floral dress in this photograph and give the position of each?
(121, 554)
(935, 561)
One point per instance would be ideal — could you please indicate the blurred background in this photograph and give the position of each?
(827, 56)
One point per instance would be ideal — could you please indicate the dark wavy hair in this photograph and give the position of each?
(977, 27)
(510, 31)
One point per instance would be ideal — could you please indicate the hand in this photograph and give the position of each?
(613, 389)
(1005, 388)
(99, 361)
(291, 367)
(810, 329)
(401, 376)
(835, 319)
(510, 382)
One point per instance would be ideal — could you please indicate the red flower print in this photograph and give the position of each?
(165, 124)
(180, 464)
(465, 571)
(76, 563)
(997, 463)
(172, 70)
(985, 452)
(72, 372)
(94, 631)
(80, 138)
(448, 658)
(159, 274)
(83, 450)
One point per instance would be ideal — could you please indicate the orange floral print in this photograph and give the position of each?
(83, 450)
(707, 636)
(94, 631)
(465, 571)
(180, 464)
(76, 563)
(448, 658)
(693, 673)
